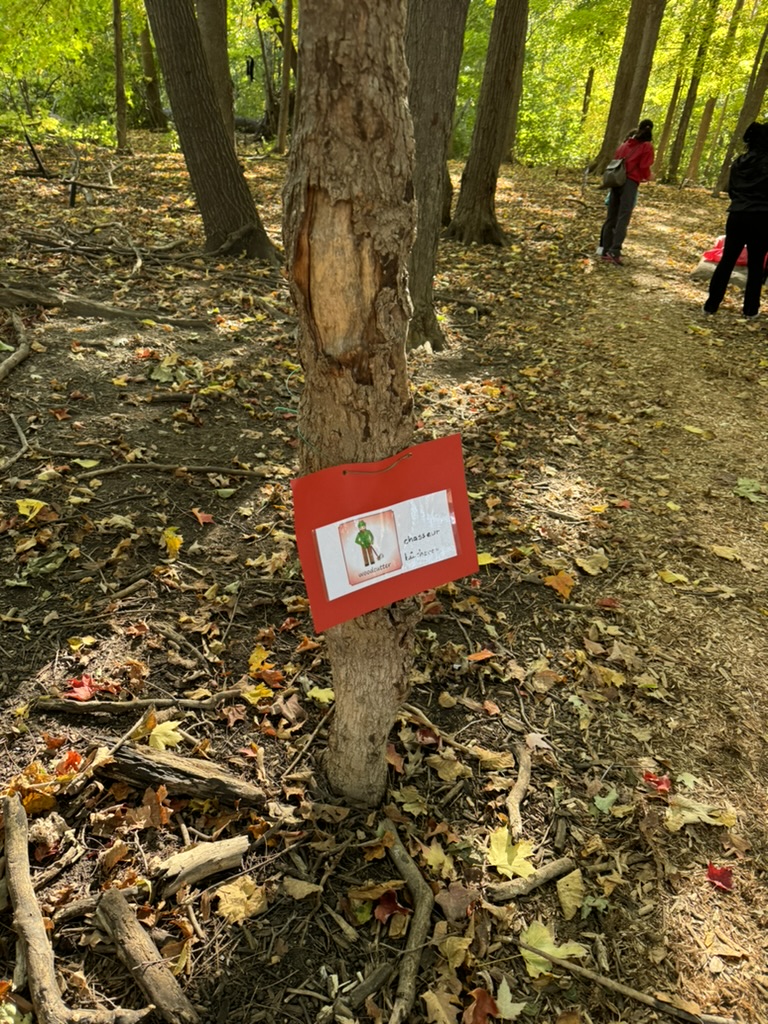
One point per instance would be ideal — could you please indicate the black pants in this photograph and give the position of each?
(620, 207)
(750, 229)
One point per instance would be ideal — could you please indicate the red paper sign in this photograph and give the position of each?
(370, 533)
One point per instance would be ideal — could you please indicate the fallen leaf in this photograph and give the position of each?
(448, 767)
(165, 735)
(388, 905)
(480, 655)
(682, 811)
(729, 554)
(721, 878)
(29, 507)
(457, 900)
(662, 784)
(299, 890)
(482, 1007)
(323, 695)
(562, 583)
(374, 890)
(454, 949)
(241, 899)
(570, 892)
(541, 936)
(594, 563)
(257, 660)
(672, 577)
(510, 859)
(483, 558)
(507, 1009)
(204, 518)
(441, 1007)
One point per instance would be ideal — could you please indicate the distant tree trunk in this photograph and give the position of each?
(285, 92)
(121, 106)
(678, 145)
(666, 131)
(629, 87)
(475, 216)
(447, 198)
(155, 115)
(716, 143)
(433, 44)
(212, 23)
(749, 111)
(271, 113)
(587, 94)
(229, 215)
(348, 226)
(701, 137)
(517, 58)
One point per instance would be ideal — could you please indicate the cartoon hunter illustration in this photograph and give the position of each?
(365, 539)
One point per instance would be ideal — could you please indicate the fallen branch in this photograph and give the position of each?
(424, 901)
(119, 707)
(615, 986)
(522, 886)
(201, 861)
(142, 958)
(518, 791)
(26, 296)
(28, 922)
(21, 353)
(174, 467)
(24, 445)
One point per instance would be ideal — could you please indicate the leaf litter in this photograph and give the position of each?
(615, 628)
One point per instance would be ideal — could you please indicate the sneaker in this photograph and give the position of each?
(610, 258)
(709, 312)
(750, 316)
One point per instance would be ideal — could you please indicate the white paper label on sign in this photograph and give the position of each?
(390, 541)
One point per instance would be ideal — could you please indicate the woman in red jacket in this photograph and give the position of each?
(638, 155)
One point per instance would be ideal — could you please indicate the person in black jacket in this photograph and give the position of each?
(747, 223)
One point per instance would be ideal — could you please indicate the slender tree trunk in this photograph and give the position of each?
(434, 37)
(475, 216)
(749, 111)
(701, 137)
(632, 74)
(285, 92)
(717, 137)
(155, 115)
(587, 94)
(229, 215)
(212, 23)
(666, 131)
(270, 102)
(121, 106)
(678, 145)
(349, 219)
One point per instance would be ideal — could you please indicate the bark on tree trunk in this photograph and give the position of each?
(212, 24)
(640, 35)
(155, 116)
(433, 45)
(349, 217)
(749, 111)
(666, 131)
(285, 91)
(475, 216)
(587, 94)
(121, 106)
(229, 215)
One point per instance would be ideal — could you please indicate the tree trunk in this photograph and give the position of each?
(271, 113)
(701, 138)
(349, 219)
(121, 106)
(433, 45)
(716, 145)
(285, 92)
(587, 94)
(229, 215)
(632, 74)
(155, 116)
(447, 197)
(666, 131)
(212, 24)
(678, 145)
(475, 216)
(749, 111)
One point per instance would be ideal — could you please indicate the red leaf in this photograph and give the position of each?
(86, 687)
(721, 878)
(307, 644)
(662, 784)
(69, 763)
(202, 517)
(388, 905)
(396, 760)
(288, 624)
(53, 742)
(483, 1007)
(607, 602)
(427, 737)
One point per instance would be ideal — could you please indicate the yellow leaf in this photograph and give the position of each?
(258, 660)
(509, 859)
(241, 899)
(454, 949)
(441, 1007)
(120, 382)
(298, 890)
(706, 434)
(324, 695)
(76, 642)
(448, 767)
(541, 936)
(570, 892)
(562, 583)
(729, 554)
(258, 694)
(672, 577)
(594, 563)
(171, 540)
(29, 507)
(484, 558)
(165, 735)
(682, 811)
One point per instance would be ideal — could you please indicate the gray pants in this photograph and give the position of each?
(620, 207)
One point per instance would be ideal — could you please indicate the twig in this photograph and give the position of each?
(630, 993)
(522, 886)
(518, 791)
(305, 749)
(119, 707)
(174, 467)
(21, 353)
(24, 445)
(28, 921)
(424, 901)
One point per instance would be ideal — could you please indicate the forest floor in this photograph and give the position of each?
(615, 636)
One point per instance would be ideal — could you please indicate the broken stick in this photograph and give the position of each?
(30, 928)
(142, 958)
(518, 791)
(522, 886)
(424, 901)
(21, 353)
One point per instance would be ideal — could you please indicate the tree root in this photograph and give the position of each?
(424, 901)
(28, 921)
